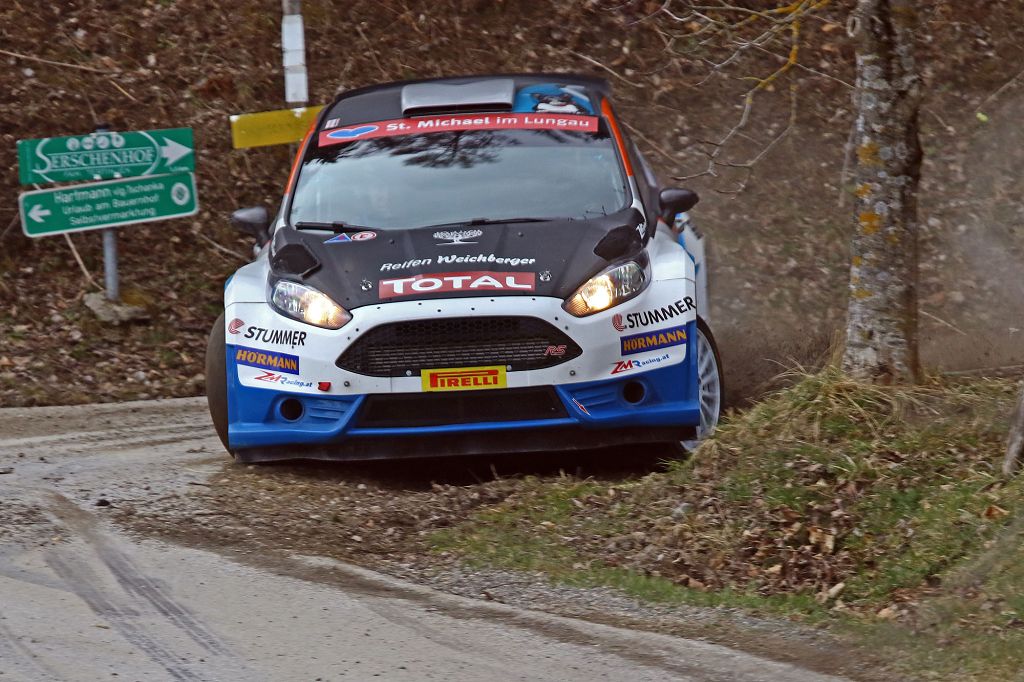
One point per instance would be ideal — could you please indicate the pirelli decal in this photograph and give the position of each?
(267, 359)
(661, 338)
(463, 378)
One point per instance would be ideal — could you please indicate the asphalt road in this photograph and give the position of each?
(80, 600)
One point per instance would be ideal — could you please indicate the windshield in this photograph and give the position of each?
(450, 177)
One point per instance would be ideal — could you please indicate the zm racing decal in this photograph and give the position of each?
(463, 378)
(645, 318)
(267, 359)
(459, 123)
(446, 282)
(344, 238)
(626, 365)
(661, 338)
(275, 378)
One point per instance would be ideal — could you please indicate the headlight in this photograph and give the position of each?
(612, 287)
(307, 305)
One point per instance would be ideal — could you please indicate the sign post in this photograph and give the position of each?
(110, 280)
(153, 179)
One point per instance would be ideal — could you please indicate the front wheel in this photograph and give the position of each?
(217, 381)
(709, 384)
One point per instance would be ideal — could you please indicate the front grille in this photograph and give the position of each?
(404, 348)
(398, 410)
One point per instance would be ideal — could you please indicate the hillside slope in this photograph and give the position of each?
(779, 247)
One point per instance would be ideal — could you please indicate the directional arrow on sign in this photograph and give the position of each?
(38, 213)
(99, 155)
(108, 204)
(172, 151)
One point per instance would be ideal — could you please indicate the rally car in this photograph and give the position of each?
(466, 265)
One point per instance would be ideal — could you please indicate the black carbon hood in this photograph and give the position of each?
(530, 259)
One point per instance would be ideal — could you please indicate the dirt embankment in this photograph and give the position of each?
(778, 247)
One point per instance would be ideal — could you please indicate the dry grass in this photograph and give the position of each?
(829, 500)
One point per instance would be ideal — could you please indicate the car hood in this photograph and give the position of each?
(550, 258)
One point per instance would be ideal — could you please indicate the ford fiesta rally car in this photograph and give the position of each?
(466, 265)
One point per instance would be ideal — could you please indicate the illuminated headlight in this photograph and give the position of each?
(307, 305)
(612, 287)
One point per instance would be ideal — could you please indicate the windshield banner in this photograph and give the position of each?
(457, 123)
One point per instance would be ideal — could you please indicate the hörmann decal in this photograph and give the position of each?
(645, 318)
(647, 341)
(458, 122)
(463, 378)
(446, 282)
(267, 359)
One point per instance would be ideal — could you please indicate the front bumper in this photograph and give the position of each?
(312, 407)
(635, 406)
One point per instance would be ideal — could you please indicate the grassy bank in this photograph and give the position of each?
(878, 510)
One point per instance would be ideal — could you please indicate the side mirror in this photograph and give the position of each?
(674, 201)
(254, 221)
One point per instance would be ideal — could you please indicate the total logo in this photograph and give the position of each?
(275, 378)
(445, 282)
(627, 365)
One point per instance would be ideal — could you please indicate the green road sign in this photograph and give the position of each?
(98, 156)
(108, 204)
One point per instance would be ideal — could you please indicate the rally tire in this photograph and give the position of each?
(217, 381)
(709, 377)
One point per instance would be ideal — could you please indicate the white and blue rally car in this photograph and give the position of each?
(466, 265)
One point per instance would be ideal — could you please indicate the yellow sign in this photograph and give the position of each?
(463, 378)
(271, 127)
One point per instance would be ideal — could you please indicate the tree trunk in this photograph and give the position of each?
(881, 330)
(1015, 448)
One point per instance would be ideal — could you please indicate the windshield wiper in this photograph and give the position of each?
(337, 226)
(491, 221)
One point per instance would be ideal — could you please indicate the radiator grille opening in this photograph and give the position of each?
(404, 348)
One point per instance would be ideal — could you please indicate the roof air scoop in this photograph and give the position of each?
(442, 98)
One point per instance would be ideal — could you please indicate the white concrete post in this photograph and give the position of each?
(293, 49)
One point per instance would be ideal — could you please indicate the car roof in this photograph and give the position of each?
(385, 101)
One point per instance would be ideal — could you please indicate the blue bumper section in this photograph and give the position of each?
(663, 397)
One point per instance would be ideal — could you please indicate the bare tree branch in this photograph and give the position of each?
(51, 62)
